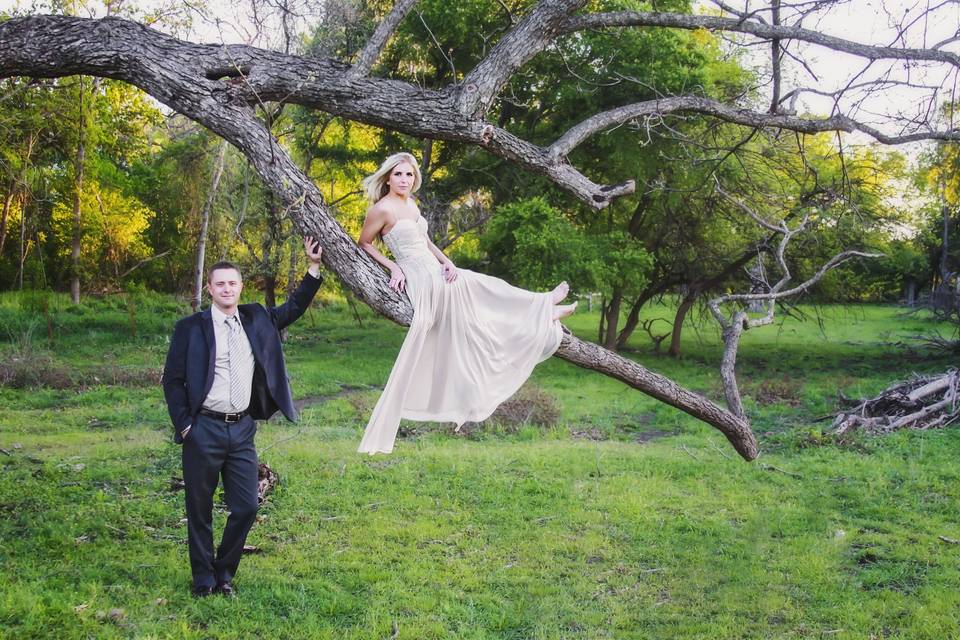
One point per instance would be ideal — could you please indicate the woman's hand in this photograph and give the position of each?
(449, 271)
(398, 281)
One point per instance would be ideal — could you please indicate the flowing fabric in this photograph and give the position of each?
(472, 343)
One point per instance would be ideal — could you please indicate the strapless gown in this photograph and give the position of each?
(471, 345)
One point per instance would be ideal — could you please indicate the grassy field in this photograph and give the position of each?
(623, 519)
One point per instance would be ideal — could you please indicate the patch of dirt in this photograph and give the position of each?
(651, 435)
(774, 390)
(42, 371)
(589, 434)
(529, 405)
(345, 390)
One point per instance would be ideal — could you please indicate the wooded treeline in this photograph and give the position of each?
(103, 188)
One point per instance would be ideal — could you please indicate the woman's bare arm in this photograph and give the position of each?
(373, 226)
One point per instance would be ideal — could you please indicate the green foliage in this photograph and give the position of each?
(533, 245)
(113, 227)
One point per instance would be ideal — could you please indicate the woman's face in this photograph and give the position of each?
(401, 179)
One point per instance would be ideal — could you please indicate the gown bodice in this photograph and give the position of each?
(407, 241)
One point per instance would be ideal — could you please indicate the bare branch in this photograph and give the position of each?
(761, 30)
(775, 60)
(143, 262)
(650, 108)
(835, 261)
(376, 43)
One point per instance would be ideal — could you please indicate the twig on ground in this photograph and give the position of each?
(770, 467)
(688, 452)
(281, 441)
(719, 450)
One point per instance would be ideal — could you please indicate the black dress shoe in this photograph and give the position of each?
(226, 589)
(201, 591)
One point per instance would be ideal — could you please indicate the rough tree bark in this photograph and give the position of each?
(217, 86)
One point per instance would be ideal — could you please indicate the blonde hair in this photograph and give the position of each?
(375, 186)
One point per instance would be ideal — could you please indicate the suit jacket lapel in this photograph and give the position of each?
(206, 324)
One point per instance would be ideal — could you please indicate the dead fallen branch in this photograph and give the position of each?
(266, 481)
(921, 403)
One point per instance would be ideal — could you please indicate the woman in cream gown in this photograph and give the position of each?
(474, 339)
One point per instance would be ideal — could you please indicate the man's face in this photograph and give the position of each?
(225, 286)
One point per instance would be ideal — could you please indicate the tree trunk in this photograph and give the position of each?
(685, 305)
(633, 318)
(612, 318)
(910, 292)
(270, 290)
(198, 270)
(272, 241)
(77, 192)
(293, 272)
(23, 240)
(945, 245)
(7, 201)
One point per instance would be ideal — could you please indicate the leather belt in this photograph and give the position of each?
(229, 418)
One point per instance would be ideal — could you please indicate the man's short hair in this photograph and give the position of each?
(223, 264)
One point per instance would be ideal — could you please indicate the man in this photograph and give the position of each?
(225, 370)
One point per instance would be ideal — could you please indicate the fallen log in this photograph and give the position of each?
(920, 403)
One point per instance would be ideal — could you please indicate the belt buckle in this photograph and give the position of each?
(231, 418)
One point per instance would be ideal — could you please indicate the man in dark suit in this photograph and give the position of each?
(225, 370)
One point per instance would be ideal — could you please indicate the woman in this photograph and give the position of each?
(474, 339)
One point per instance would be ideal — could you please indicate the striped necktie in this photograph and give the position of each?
(238, 386)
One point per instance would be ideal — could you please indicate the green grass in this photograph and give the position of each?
(651, 527)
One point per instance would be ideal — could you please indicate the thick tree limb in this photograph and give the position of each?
(230, 76)
(174, 73)
(521, 44)
(734, 427)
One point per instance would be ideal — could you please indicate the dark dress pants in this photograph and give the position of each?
(212, 449)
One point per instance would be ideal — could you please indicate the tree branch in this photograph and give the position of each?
(658, 107)
(176, 72)
(761, 30)
(522, 43)
(376, 43)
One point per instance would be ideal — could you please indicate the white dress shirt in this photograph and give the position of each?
(219, 397)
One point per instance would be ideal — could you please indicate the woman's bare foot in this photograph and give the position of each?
(560, 292)
(561, 312)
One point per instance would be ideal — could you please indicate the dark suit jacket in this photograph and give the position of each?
(188, 373)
